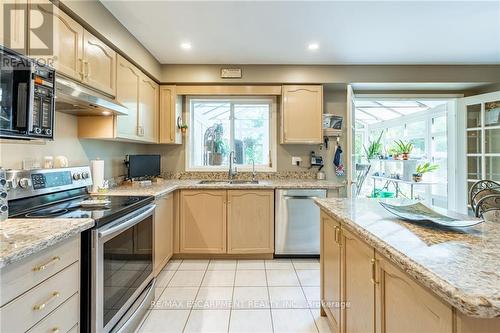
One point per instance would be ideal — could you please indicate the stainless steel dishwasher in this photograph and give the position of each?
(297, 222)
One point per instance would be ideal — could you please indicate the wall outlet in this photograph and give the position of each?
(296, 160)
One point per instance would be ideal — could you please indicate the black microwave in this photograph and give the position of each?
(26, 97)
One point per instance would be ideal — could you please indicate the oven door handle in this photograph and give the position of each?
(120, 226)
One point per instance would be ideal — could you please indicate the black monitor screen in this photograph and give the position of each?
(143, 166)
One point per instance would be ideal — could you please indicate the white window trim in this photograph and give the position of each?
(273, 139)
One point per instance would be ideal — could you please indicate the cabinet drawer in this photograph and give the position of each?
(62, 319)
(19, 277)
(28, 309)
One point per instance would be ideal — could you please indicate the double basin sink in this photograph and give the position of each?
(235, 181)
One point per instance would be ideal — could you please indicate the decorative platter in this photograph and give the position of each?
(419, 212)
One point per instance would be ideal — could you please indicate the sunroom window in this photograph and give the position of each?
(218, 126)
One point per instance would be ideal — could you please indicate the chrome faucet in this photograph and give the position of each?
(232, 160)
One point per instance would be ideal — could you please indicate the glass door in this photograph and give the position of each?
(481, 125)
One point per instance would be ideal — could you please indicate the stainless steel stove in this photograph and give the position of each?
(117, 282)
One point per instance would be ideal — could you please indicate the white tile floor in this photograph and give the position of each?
(280, 295)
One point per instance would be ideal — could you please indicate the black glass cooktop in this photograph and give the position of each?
(70, 207)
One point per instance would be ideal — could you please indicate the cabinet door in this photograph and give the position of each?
(99, 64)
(302, 114)
(331, 283)
(18, 29)
(163, 231)
(170, 111)
(127, 93)
(148, 109)
(250, 221)
(407, 307)
(67, 52)
(203, 221)
(359, 284)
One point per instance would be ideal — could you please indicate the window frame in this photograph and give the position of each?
(273, 130)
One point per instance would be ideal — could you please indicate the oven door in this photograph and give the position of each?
(122, 266)
(16, 95)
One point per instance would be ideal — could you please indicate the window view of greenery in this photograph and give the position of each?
(221, 126)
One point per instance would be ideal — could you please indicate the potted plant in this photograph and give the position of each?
(374, 148)
(394, 152)
(423, 168)
(220, 146)
(404, 148)
(183, 128)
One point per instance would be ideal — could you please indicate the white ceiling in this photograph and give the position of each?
(348, 32)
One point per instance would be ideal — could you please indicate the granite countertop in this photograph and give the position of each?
(462, 266)
(167, 186)
(20, 238)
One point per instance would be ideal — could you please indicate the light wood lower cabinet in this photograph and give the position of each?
(236, 222)
(43, 290)
(407, 307)
(250, 216)
(379, 297)
(331, 257)
(203, 221)
(163, 231)
(358, 267)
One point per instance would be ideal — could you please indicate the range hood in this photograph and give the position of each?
(76, 99)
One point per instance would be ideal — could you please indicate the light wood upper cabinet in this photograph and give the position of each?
(358, 284)
(407, 307)
(170, 111)
(302, 114)
(139, 94)
(331, 252)
(202, 221)
(18, 24)
(99, 64)
(163, 231)
(148, 109)
(127, 93)
(67, 55)
(250, 221)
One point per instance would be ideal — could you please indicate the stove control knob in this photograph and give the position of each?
(77, 176)
(24, 183)
(85, 175)
(47, 131)
(37, 130)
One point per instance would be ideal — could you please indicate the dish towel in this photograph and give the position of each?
(337, 161)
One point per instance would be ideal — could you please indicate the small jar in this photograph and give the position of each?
(48, 162)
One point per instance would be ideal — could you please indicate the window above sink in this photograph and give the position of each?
(218, 125)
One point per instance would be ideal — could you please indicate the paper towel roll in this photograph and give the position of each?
(97, 169)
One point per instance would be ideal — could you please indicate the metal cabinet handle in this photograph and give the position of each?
(374, 271)
(336, 235)
(55, 330)
(87, 68)
(44, 266)
(82, 74)
(38, 307)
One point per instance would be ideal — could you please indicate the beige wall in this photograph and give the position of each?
(333, 73)
(103, 22)
(66, 143)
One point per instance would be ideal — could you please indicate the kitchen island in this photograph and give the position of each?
(405, 277)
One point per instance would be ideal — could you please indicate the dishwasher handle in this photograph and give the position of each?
(303, 197)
